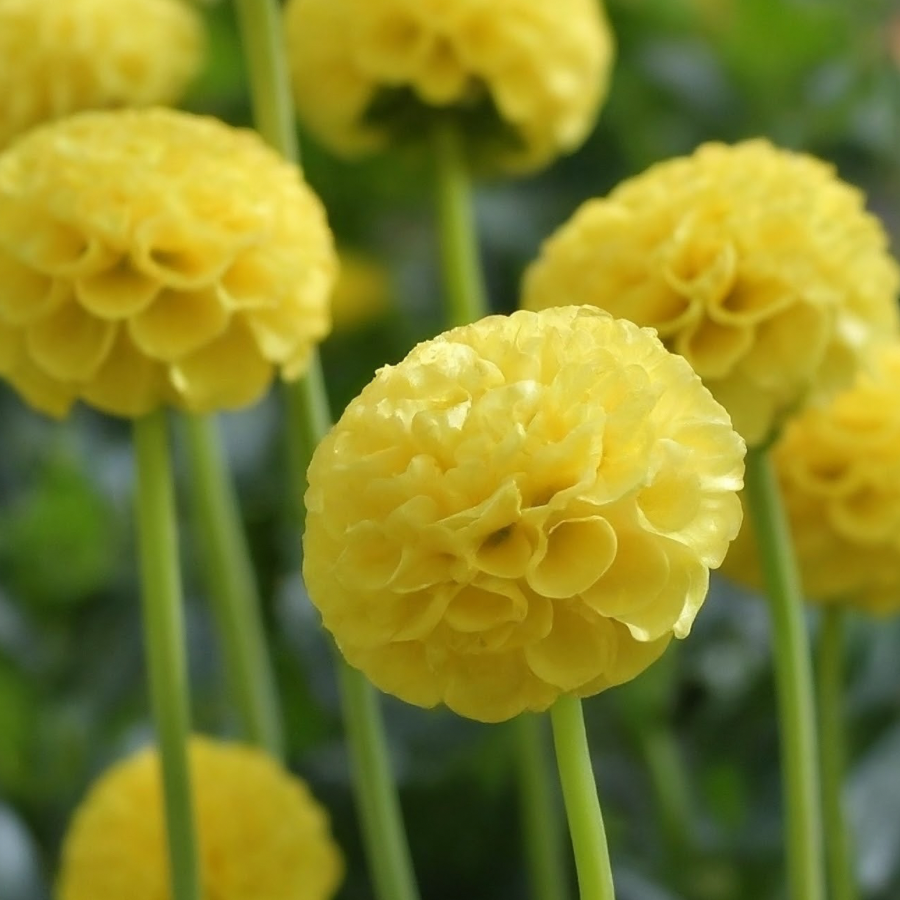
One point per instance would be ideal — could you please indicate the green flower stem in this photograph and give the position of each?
(465, 294)
(309, 420)
(841, 878)
(232, 587)
(386, 845)
(165, 644)
(595, 881)
(540, 817)
(259, 22)
(794, 680)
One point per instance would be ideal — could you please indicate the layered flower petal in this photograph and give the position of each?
(63, 56)
(523, 507)
(527, 77)
(260, 832)
(839, 470)
(757, 265)
(152, 257)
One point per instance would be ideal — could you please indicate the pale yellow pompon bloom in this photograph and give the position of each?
(839, 470)
(756, 264)
(261, 834)
(153, 257)
(362, 293)
(525, 77)
(522, 508)
(58, 57)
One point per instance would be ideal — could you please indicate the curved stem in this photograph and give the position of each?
(463, 282)
(165, 645)
(232, 587)
(540, 815)
(386, 846)
(309, 419)
(794, 681)
(595, 881)
(830, 648)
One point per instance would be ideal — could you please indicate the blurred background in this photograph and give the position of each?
(686, 756)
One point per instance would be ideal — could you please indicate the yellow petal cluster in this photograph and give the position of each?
(261, 834)
(522, 508)
(756, 264)
(839, 470)
(526, 76)
(63, 56)
(152, 257)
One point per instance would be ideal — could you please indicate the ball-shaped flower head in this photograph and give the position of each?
(839, 470)
(260, 832)
(151, 257)
(58, 57)
(756, 264)
(522, 508)
(525, 77)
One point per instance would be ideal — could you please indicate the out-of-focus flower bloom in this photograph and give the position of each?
(522, 508)
(151, 257)
(260, 832)
(526, 77)
(757, 265)
(839, 470)
(362, 292)
(63, 56)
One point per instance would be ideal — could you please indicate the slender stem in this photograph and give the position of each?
(309, 419)
(794, 680)
(540, 815)
(595, 881)
(165, 645)
(232, 587)
(463, 282)
(841, 876)
(259, 22)
(379, 808)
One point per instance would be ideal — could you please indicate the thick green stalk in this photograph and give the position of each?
(465, 295)
(386, 846)
(309, 419)
(232, 587)
(541, 824)
(595, 881)
(270, 88)
(165, 645)
(794, 680)
(841, 877)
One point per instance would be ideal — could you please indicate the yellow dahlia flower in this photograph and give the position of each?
(526, 77)
(261, 834)
(522, 508)
(62, 56)
(757, 265)
(839, 469)
(151, 257)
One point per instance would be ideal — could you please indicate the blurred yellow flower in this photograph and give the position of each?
(261, 834)
(756, 264)
(522, 508)
(526, 76)
(839, 470)
(62, 56)
(151, 257)
(362, 292)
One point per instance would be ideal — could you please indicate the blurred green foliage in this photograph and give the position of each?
(687, 755)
